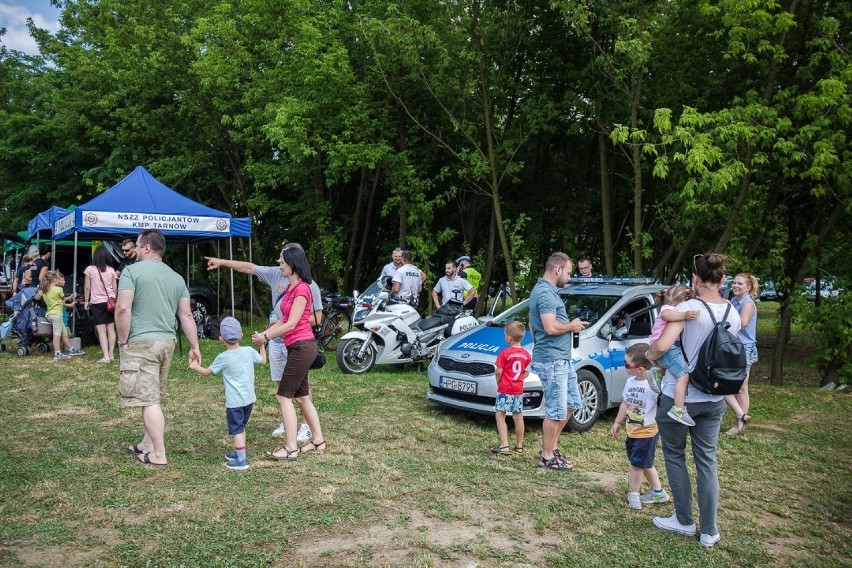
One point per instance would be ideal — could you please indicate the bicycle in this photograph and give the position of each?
(336, 321)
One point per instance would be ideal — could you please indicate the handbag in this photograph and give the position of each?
(319, 360)
(110, 301)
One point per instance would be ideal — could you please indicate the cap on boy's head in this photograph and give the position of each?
(463, 259)
(230, 330)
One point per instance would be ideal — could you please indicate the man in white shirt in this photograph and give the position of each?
(452, 286)
(394, 265)
(408, 279)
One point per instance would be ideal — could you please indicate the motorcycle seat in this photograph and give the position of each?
(434, 321)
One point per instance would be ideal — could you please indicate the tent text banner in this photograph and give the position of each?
(137, 222)
(164, 222)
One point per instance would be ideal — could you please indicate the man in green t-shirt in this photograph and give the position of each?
(150, 293)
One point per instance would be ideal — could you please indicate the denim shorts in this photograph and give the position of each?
(641, 451)
(238, 418)
(559, 383)
(509, 403)
(673, 361)
(751, 356)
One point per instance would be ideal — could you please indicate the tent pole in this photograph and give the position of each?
(73, 280)
(187, 263)
(231, 253)
(251, 290)
(218, 281)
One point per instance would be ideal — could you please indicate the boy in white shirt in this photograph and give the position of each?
(638, 411)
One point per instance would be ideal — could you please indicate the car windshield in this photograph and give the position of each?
(587, 307)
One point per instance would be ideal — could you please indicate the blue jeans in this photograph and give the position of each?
(559, 384)
(705, 442)
(673, 362)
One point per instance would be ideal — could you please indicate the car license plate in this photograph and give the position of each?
(457, 385)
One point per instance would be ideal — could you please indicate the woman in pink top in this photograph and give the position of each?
(101, 286)
(295, 328)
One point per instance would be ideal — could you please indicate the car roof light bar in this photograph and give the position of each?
(624, 280)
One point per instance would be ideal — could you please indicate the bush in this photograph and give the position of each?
(830, 337)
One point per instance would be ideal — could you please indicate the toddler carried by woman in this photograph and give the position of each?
(673, 359)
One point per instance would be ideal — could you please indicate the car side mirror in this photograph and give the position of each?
(605, 331)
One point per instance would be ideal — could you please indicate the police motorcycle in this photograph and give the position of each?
(392, 332)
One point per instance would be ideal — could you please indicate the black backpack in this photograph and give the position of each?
(210, 329)
(720, 367)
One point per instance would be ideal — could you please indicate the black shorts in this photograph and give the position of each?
(641, 451)
(100, 315)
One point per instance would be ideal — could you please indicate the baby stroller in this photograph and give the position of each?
(28, 324)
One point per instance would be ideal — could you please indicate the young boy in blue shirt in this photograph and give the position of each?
(237, 367)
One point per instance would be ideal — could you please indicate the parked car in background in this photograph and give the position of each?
(768, 292)
(828, 288)
(620, 312)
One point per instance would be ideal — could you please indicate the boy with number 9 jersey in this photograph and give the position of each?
(511, 370)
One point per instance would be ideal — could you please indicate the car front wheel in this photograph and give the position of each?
(591, 400)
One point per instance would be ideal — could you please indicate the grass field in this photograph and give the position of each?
(403, 483)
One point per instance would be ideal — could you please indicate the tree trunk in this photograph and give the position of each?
(481, 305)
(636, 154)
(494, 184)
(606, 205)
(678, 261)
(745, 183)
(368, 218)
(776, 378)
(348, 268)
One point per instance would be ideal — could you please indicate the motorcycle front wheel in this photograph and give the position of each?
(348, 359)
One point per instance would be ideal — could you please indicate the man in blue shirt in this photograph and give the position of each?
(551, 355)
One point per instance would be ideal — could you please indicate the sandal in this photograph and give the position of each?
(317, 447)
(519, 449)
(288, 455)
(146, 459)
(556, 463)
(135, 449)
(500, 450)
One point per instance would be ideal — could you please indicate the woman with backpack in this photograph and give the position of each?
(708, 272)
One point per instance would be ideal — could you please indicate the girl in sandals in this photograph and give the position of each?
(745, 289)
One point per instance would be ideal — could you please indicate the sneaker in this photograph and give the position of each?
(231, 456)
(654, 380)
(278, 432)
(304, 433)
(59, 356)
(681, 415)
(653, 497)
(237, 464)
(74, 351)
(672, 524)
(633, 500)
(709, 541)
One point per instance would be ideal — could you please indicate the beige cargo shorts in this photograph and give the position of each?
(144, 371)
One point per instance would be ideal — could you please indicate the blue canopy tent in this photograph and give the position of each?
(140, 201)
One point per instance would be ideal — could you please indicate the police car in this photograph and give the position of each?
(620, 312)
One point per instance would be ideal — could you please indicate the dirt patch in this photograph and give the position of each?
(608, 480)
(100, 539)
(411, 537)
(62, 412)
